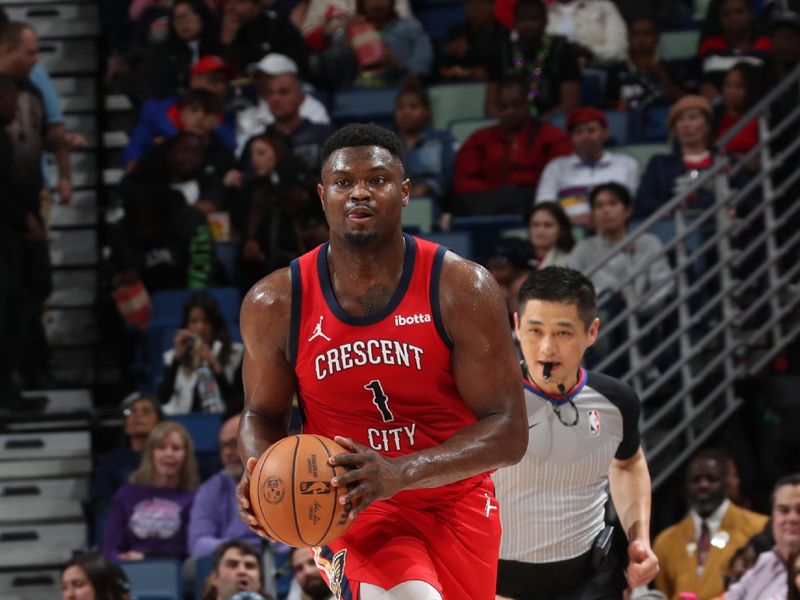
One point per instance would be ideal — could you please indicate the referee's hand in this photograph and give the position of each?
(643, 564)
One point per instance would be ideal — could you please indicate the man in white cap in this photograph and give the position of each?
(276, 73)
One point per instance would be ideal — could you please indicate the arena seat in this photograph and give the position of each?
(678, 44)
(461, 129)
(643, 152)
(154, 578)
(419, 214)
(363, 105)
(593, 87)
(203, 428)
(457, 241)
(438, 16)
(451, 101)
(202, 569)
(485, 231)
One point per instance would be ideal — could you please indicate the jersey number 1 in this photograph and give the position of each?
(380, 400)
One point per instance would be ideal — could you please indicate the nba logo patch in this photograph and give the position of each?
(594, 421)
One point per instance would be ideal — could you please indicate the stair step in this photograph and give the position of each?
(35, 470)
(18, 510)
(74, 288)
(115, 139)
(75, 488)
(118, 103)
(73, 248)
(75, 326)
(68, 56)
(82, 210)
(40, 545)
(59, 20)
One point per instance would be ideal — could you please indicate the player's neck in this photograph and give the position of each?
(354, 269)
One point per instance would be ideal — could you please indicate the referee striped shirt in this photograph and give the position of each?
(552, 502)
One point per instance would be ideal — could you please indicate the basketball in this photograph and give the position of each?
(291, 493)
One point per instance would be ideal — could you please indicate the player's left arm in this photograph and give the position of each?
(629, 480)
(488, 379)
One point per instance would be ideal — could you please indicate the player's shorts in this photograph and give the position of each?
(452, 544)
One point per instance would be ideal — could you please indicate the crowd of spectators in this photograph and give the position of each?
(232, 107)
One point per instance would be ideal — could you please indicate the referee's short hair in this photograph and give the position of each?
(560, 284)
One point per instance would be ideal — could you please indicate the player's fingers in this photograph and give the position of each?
(350, 477)
(251, 464)
(359, 497)
(348, 443)
(346, 459)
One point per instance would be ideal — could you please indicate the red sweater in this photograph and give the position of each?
(491, 158)
(742, 141)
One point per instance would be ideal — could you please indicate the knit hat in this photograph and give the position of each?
(687, 102)
(585, 114)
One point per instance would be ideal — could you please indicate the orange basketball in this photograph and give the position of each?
(291, 492)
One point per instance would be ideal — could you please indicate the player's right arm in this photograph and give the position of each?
(269, 382)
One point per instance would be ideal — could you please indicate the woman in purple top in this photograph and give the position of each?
(149, 515)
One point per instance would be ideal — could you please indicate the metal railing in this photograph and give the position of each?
(737, 297)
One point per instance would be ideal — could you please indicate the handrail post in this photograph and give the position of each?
(729, 309)
(684, 318)
(769, 221)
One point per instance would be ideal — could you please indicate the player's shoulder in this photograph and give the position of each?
(462, 279)
(615, 391)
(271, 295)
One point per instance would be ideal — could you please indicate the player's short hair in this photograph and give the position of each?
(11, 33)
(793, 479)
(560, 284)
(622, 193)
(210, 591)
(363, 134)
(718, 456)
(514, 82)
(207, 101)
(537, 5)
(243, 547)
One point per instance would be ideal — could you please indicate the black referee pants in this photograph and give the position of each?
(573, 579)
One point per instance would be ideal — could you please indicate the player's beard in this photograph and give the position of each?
(361, 238)
(318, 590)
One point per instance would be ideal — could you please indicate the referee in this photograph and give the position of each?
(584, 438)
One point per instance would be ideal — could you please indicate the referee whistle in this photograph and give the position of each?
(548, 368)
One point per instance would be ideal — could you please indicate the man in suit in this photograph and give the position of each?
(694, 554)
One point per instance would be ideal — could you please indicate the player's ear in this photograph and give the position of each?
(320, 191)
(516, 321)
(406, 187)
(594, 329)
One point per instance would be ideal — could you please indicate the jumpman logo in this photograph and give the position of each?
(318, 331)
(489, 506)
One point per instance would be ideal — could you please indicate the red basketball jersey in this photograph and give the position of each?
(385, 379)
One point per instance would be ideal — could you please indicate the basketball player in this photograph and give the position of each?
(400, 351)
(584, 438)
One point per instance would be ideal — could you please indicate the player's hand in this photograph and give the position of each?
(243, 497)
(370, 477)
(643, 564)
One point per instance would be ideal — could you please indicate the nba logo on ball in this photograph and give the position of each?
(275, 491)
(594, 421)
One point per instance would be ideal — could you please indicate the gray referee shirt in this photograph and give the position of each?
(552, 502)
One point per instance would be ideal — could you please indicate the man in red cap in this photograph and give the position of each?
(569, 179)
(162, 118)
